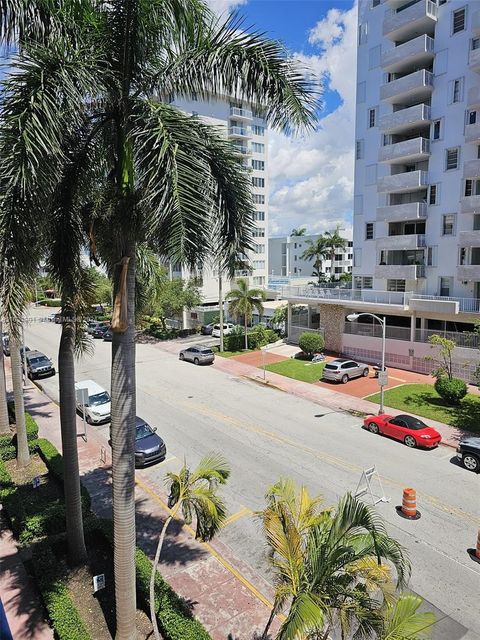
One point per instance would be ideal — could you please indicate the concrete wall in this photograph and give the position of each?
(332, 319)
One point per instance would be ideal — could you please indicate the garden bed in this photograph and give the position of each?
(302, 370)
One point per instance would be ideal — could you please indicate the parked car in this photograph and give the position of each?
(149, 447)
(343, 370)
(409, 430)
(57, 318)
(197, 354)
(6, 344)
(24, 349)
(227, 329)
(51, 317)
(98, 408)
(468, 452)
(99, 332)
(206, 329)
(37, 365)
(108, 335)
(93, 325)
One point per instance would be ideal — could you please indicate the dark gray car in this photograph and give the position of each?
(197, 354)
(343, 370)
(468, 452)
(38, 365)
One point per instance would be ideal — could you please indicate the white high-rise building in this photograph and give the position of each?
(246, 128)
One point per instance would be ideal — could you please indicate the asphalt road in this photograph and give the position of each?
(266, 434)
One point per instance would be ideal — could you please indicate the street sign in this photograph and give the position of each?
(82, 395)
(382, 378)
(98, 582)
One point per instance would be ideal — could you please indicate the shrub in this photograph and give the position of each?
(66, 621)
(10, 500)
(8, 443)
(451, 390)
(311, 343)
(50, 302)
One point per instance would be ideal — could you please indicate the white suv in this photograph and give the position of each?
(227, 328)
(98, 407)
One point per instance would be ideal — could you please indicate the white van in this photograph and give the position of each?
(98, 408)
(227, 329)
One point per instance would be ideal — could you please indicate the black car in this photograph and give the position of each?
(108, 335)
(99, 332)
(206, 329)
(38, 365)
(468, 452)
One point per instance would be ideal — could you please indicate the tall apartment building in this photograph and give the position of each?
(285, 258)
(246, 128)
(417, 187)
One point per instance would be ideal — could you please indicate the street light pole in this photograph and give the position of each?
(383, 323)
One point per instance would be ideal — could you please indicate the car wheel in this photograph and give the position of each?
(88, 419)
(365, 373)
(181, 356)
(373, 427)
(345, 379)
(410, 442)
(196, 361)
(471, 462)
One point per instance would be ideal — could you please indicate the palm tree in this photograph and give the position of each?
(317, 251)
(193, 493)
(244, 301)
(337, 573)
(402, 621)
(296, 233)
(4, 422)
(23, 453)
(334, 241)
(97, 76)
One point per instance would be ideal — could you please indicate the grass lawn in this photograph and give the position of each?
(229, 354)
(423, 400)
(298, 369)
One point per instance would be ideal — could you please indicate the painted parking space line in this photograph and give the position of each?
(244, 511)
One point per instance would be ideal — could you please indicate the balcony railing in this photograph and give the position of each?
(465, 305)
(321, 294)
(400, 271)
(242, 149)
(470, 204)
(413, 149)
(474, 60)
(466, 340)
(241, 132)
(417, 84)
(402, 242)
(403, 182)
(471, 169)
(472, 132)
(401, 212)
(375, 331)
(404, 119)
(421, 16)
(236, 112)
(418, 52)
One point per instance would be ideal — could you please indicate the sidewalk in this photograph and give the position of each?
(226, 595)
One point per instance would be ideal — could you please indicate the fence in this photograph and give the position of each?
(375, 331)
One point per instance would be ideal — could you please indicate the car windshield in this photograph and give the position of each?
(143, 431)
(413, 423)
(331, 366)
(206, 351)
(99, 398)
(39, 360)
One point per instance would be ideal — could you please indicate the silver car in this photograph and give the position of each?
(197, 354)
(343, 370)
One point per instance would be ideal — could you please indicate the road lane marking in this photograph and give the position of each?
(244, 511)
(235, 572)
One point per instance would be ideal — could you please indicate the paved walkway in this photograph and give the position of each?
(226, 594)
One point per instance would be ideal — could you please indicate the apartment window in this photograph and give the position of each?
(194, 96)
(374, 57)
(361, 92)
(258, 147)
(369, 230)
(433, 194)
(338, 269)
(448, 224)
(471, 117)
(258, 130)
(357, 257)
(431, 256)
(457, 90)
(462, 256)
(451, 158)
(259, 248)
(359, 149)
(258, 113)
(436, 129)
(475, 44)
(367, 282)
(444, 286)
(259, 216)
(350, 256)
(259, 264)
(472, 187)
(258, 198)
(372, 117)
(258, 165)
(362, 33)
(476, 222)
(458, 20)
(375, 3)
(259, 233)
(258, 182)
(259, 280)
(396, 285)
(478, 151)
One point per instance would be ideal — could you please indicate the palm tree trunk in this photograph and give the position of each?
(220, 305)
(156, 560)
(273, 613)
(77, 552)
(123, 457)
(4, 422)
(23, 454)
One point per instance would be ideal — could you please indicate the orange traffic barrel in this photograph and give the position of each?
(475, 553)
(409, 505)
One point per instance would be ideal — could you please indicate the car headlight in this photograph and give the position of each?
(426, 437)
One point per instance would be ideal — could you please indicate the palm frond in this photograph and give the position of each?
(404, 622)
(305, 616)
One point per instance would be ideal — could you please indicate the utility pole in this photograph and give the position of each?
(220, 305)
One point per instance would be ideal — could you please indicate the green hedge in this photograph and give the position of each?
(8, 443)
(175, 619)
(10, 500)
(257, 338)
(50, 302)
(66, 621)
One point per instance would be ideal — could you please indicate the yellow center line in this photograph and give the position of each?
(244, 511)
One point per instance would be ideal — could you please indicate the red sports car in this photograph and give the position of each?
(412, 431)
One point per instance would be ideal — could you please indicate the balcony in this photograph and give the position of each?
(473, 97)
(474, 60)
(410, 241)
(417, 52)
(243, 150)
(469, 238)
(472, 132)
(400, 271)
(414, 86)
(241, 114)
(468, 272)
(417, 19)
(401, 212)
(403, 182)
(471, 169)
(470, 204)
(476, 23)
(240, 133)
(406, 119)
(412, 150)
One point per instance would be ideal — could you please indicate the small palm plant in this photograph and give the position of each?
(194, 494)
(402, 620)
(243, 301)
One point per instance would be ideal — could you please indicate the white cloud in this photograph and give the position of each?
(311, 178)
(225, 6)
